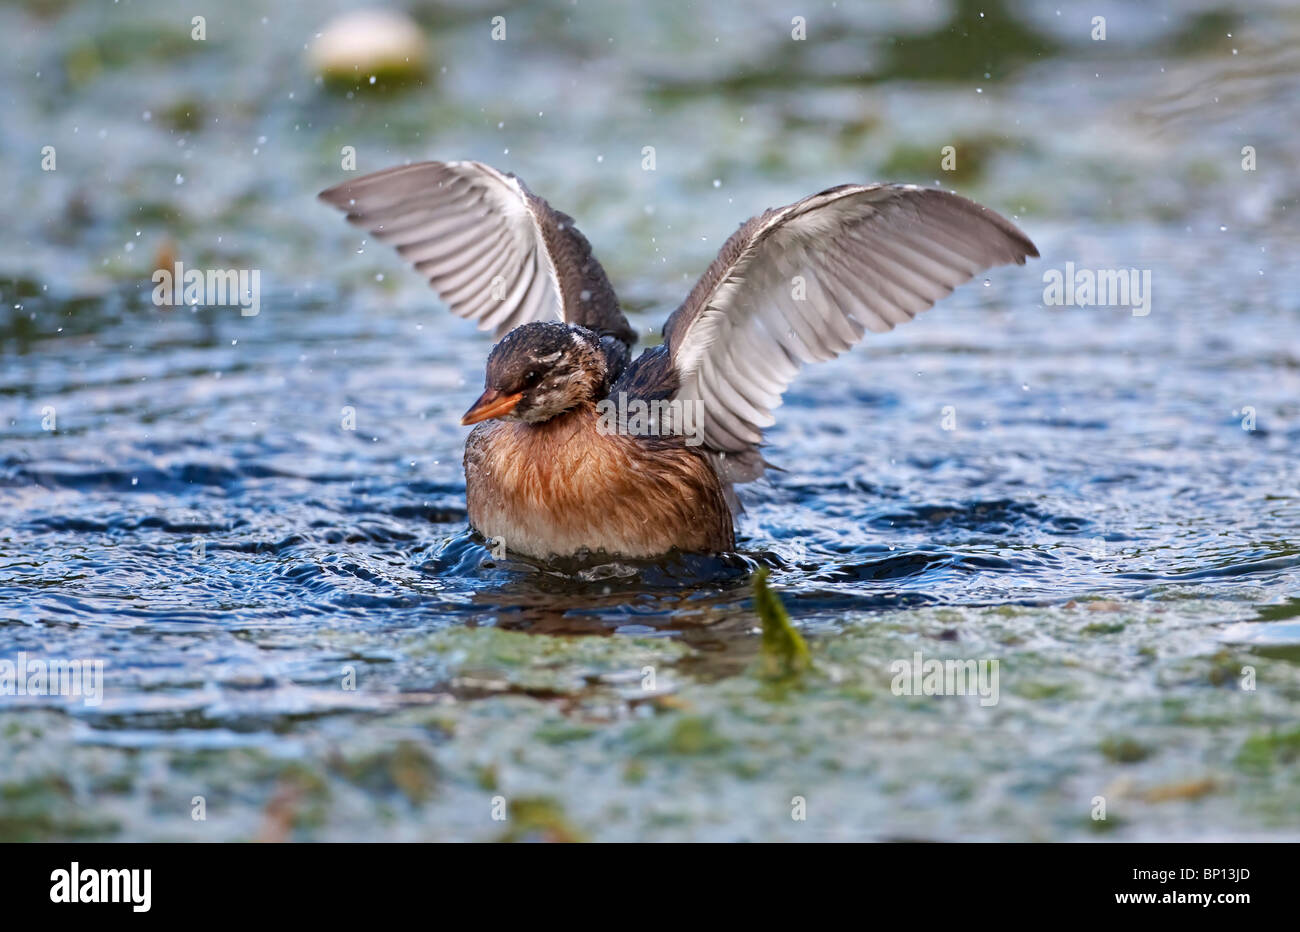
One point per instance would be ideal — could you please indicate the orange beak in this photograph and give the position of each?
(490, 404)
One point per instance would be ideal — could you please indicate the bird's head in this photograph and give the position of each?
(538, 371)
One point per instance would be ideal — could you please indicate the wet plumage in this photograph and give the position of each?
(793, 285)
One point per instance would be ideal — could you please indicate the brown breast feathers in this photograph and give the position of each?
(563, 486)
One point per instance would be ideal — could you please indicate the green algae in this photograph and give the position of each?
(785, 654)
(1266, 751)
(539, 818)
(406, 767)
(581, 753)
(1124, 750)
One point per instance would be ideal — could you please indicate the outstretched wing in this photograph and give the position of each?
(495, 252)
(803, 283)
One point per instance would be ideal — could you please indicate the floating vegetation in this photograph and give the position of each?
(785, 654)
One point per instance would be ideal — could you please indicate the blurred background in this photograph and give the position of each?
(1114, 515)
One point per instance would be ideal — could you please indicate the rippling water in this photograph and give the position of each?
(181, 497)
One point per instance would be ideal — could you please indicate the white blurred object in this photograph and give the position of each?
(368, 42)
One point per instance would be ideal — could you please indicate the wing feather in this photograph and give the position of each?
(870, 257)
(468, 228)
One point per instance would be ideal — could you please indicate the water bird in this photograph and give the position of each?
(555, 466)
